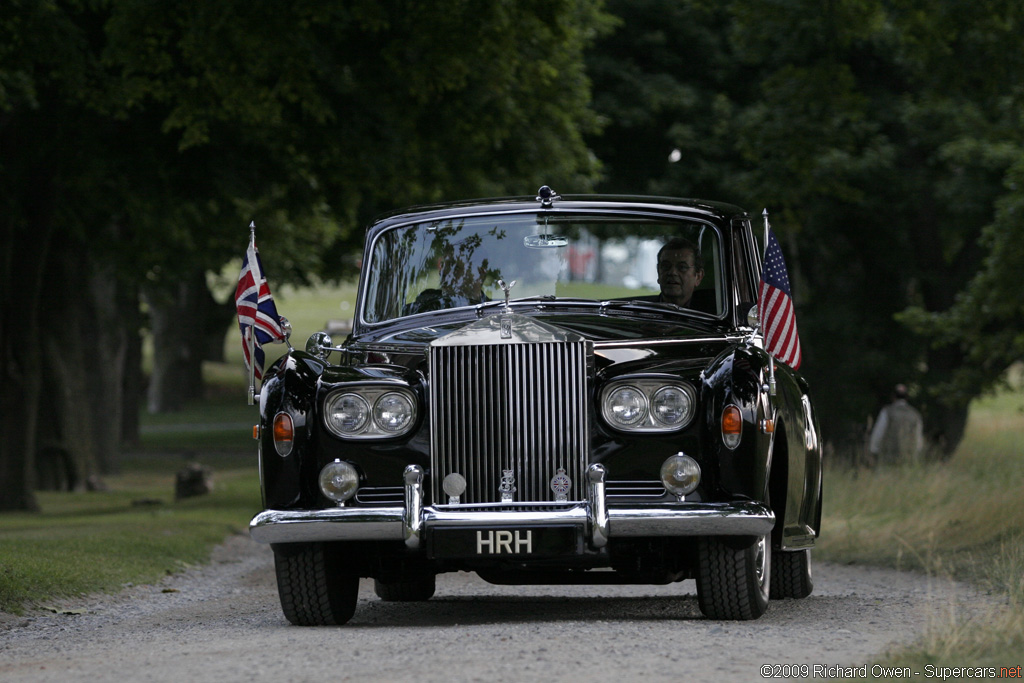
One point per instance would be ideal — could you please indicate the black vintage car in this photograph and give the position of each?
(520, 397)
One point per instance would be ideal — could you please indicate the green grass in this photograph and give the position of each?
(86, 542)
(960, 519)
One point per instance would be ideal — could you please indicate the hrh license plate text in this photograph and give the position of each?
(503, 541)
(508, 542)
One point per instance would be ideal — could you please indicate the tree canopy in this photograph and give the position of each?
(138, 139)
(885, 140)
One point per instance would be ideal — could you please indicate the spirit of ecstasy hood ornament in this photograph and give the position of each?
(506, 288)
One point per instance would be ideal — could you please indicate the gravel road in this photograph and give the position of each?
(222, 622)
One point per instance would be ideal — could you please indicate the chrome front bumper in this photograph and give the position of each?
(593, 517)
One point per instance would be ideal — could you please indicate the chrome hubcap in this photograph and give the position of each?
(761, 560)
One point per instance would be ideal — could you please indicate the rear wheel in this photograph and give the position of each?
(734, 578)
(315, 587)
(791, 574)
(415, 590)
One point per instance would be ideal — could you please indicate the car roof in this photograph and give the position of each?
(717, 211)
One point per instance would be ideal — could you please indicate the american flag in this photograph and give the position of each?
(256, 309)
(775, 303)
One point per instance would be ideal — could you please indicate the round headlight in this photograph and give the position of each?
(627, 406)
(671, 406)
(680, 474)
(393, 412)
(339, 481)
(348, 413)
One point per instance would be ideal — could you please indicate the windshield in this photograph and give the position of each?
(458, 262)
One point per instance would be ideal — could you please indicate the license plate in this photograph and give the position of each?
(502, 542)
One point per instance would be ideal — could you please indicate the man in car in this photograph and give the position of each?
(679, 271)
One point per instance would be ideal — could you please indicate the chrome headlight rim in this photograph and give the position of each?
(650, 388)
(686, 410)
(615, 405)
(376, 399)
(333, 407)
(404, 418)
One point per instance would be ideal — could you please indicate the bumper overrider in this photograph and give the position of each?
(593, 518)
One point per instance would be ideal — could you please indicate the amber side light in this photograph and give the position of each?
(283, 428)
(256, 432)
(732, 421)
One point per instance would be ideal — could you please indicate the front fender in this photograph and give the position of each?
(799, 443)
(736, 378)
(290, 386)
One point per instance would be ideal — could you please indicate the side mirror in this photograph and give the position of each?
(319, 345)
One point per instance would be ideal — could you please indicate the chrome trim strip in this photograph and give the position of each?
(726, 338)
(358, 524)
(448, 519)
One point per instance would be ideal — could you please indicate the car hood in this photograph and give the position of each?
(595, 327)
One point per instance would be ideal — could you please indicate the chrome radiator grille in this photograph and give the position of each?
(518, 407)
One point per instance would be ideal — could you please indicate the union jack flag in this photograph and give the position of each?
(775, 303)
(256, 310)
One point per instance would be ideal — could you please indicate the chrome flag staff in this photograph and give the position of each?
(257, 315)
(775, 304)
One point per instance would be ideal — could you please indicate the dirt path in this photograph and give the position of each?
(222, 622)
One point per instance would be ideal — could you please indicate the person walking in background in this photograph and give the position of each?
(898, 434)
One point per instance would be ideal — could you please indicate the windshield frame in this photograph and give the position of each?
(619, 305)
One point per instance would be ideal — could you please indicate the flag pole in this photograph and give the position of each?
(760, 313)
(252, 328)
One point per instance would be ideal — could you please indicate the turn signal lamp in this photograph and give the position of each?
(732, 426)
(284, 433)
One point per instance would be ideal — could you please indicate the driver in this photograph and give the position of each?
(678, 271)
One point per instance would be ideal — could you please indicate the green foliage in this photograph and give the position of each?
(881, 136)
(987, 319)
(189, 121)
(140, 139)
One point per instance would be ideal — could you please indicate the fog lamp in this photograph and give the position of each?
(680, 474)
(339, 481)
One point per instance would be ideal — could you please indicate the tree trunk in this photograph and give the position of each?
(134, 386)
(23, 258)
(87, 361)
(188, 328)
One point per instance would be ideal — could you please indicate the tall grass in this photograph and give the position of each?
(958, 519)
(960, 512)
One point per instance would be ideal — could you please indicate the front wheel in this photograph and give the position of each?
(315, 587)
(791, 574)
(733, 577)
